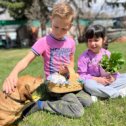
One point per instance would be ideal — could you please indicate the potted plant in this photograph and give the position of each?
(111, 65)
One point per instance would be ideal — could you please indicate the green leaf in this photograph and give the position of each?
(112, 64)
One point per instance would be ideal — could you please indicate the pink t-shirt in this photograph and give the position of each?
(55, 52)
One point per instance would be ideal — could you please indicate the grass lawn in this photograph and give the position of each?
(110, 112)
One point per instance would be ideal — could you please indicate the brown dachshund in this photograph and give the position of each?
(11, 106)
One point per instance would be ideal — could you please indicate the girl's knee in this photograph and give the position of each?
(92, 87)
(89, 82)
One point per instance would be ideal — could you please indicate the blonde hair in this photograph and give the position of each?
(63, 10)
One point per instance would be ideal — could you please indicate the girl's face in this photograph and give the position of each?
(60, 26)
(95, 44)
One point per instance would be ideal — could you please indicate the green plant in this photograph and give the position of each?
(112, 64)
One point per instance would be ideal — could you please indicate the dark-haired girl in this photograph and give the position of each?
(90, 71)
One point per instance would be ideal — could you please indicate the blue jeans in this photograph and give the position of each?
(109, 91)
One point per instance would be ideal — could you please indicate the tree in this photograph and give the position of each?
(116, 3)
(15, 8)
(37, 11)
(83, 10)
(2, 9)
(26, 9)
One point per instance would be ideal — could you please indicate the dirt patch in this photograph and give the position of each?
(121, 39)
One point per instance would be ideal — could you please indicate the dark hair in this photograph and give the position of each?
(96, 31)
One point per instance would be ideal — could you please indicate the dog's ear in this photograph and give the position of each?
(25, 94)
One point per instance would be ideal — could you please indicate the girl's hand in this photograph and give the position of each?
(10, 83)
(102, 80)
(111, 78)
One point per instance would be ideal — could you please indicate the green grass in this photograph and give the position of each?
(103, 113)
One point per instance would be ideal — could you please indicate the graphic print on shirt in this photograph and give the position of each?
(58, 56)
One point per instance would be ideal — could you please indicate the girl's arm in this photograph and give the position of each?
(83, 68)
(103, 80)
(11, 81)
